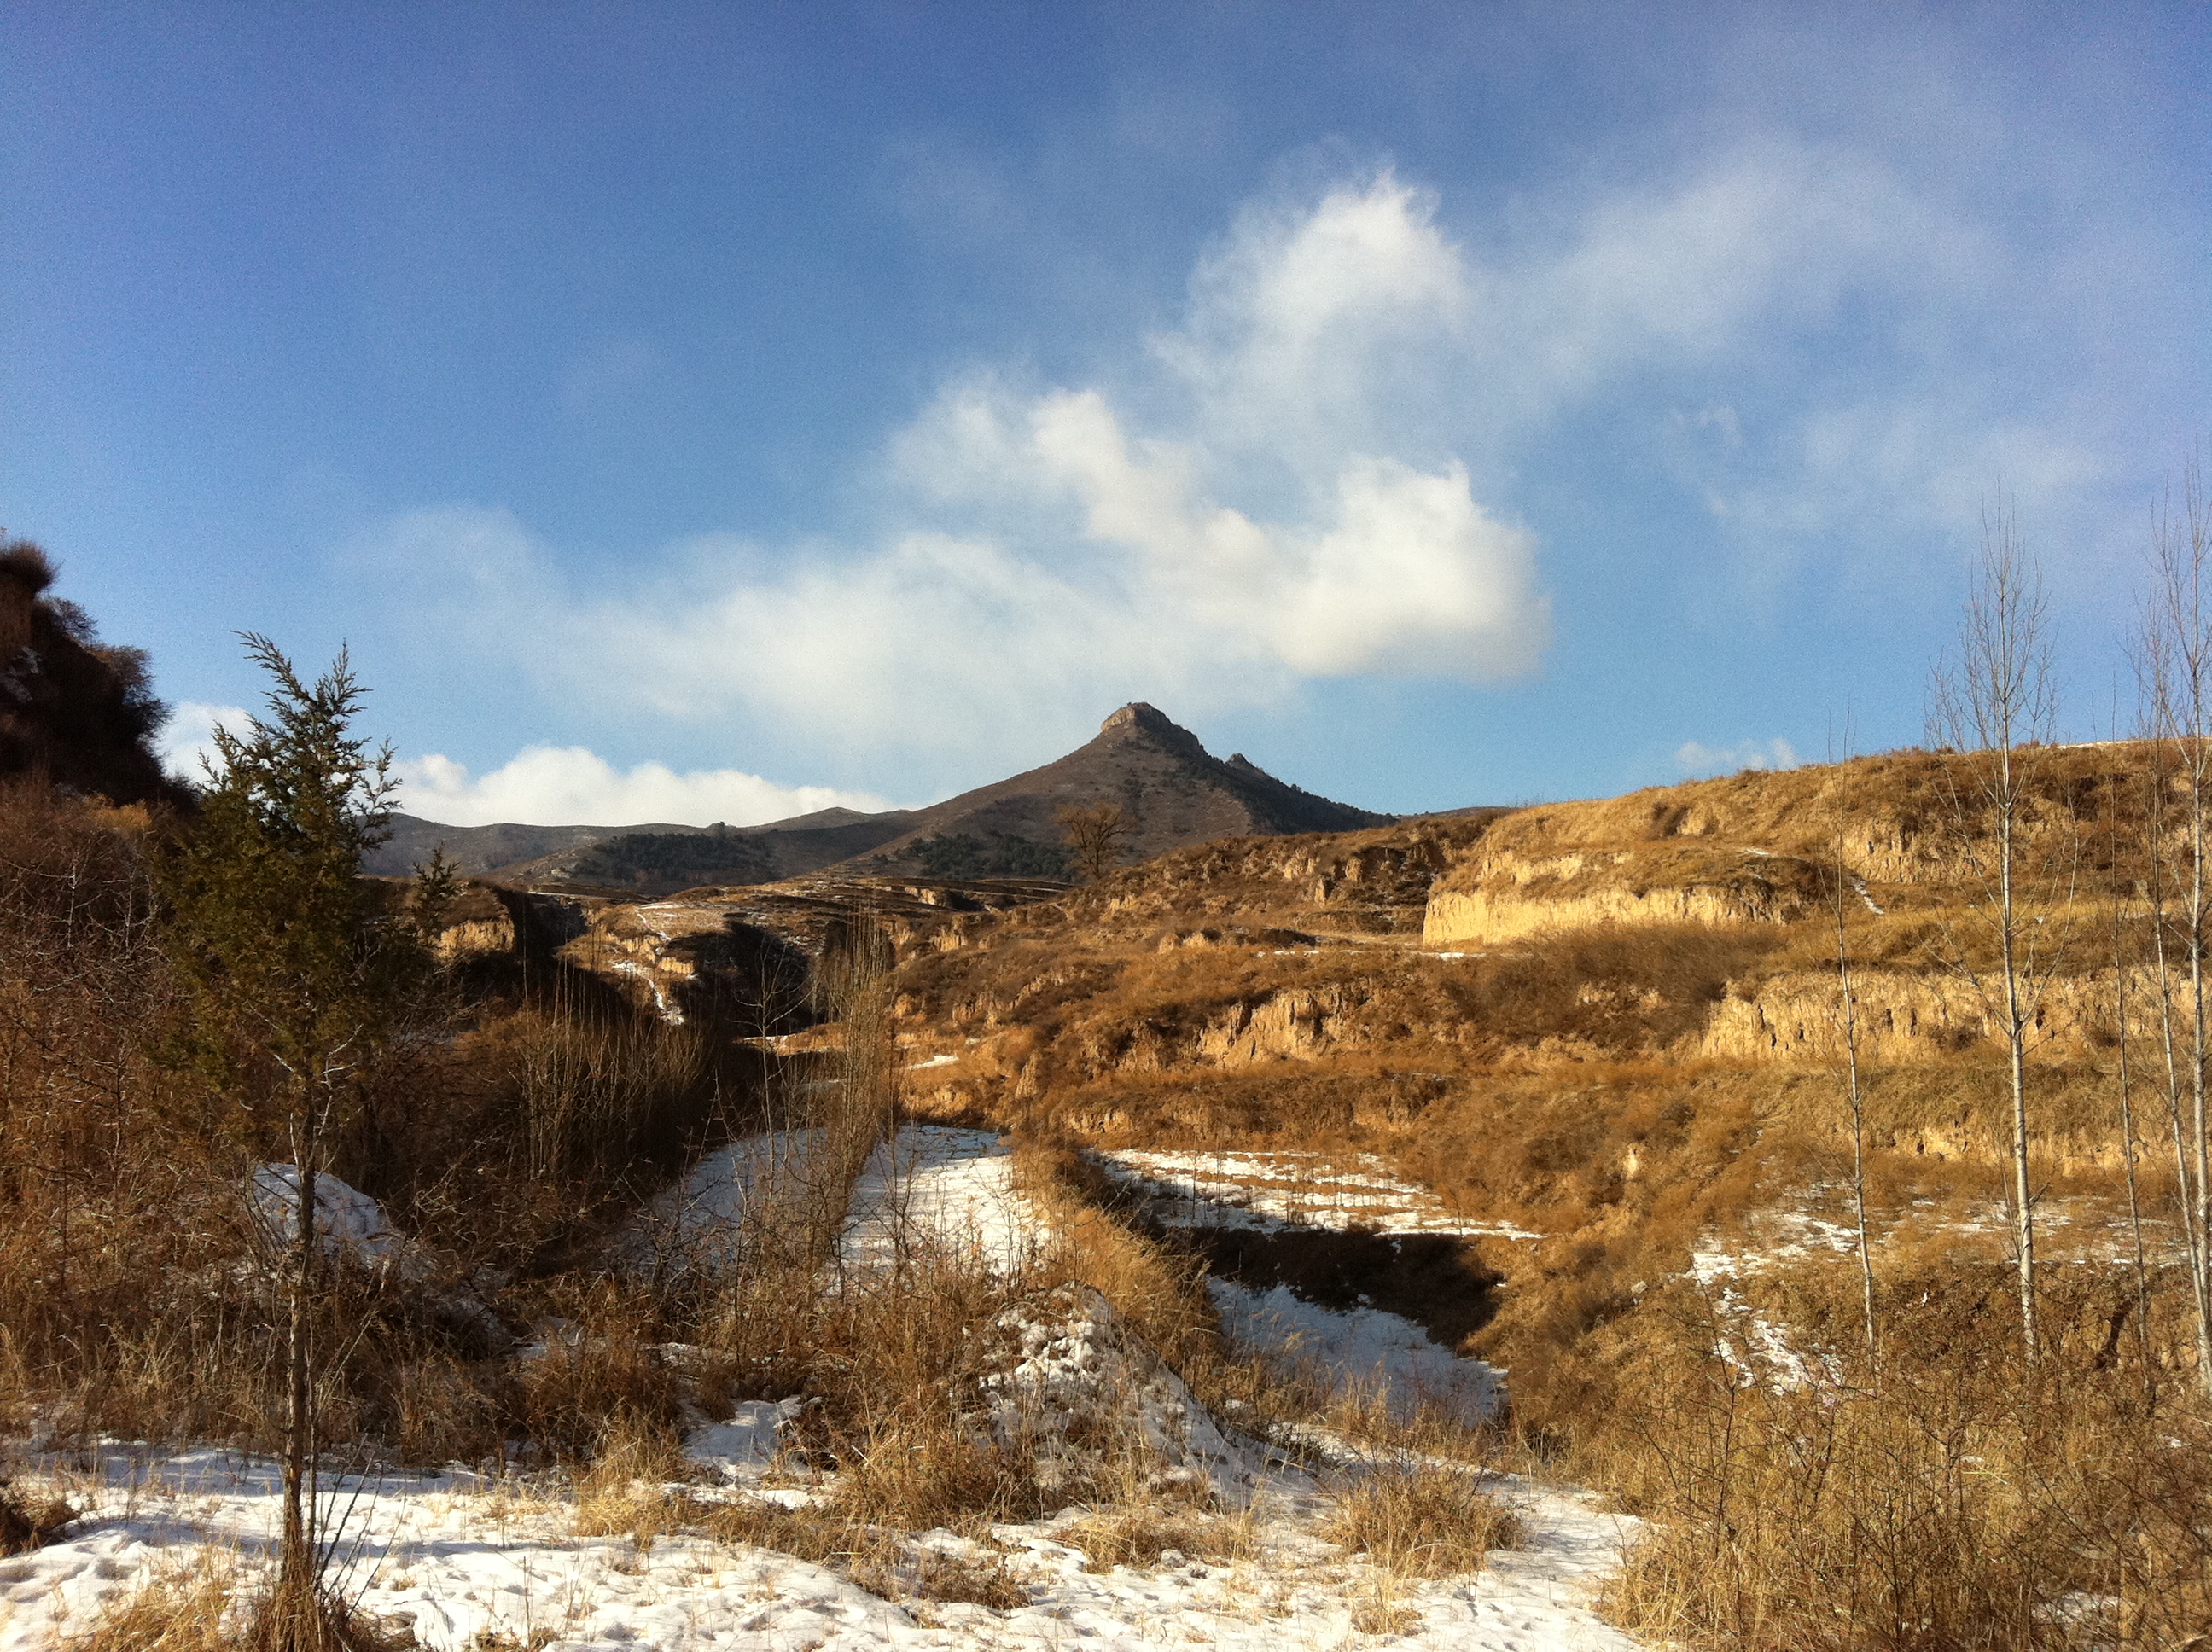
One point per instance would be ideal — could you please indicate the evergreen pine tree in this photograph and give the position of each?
(292, 977)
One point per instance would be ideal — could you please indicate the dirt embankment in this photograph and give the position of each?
(1901, 832)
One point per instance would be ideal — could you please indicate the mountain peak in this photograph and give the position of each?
(1171, 790)
(1138, 719)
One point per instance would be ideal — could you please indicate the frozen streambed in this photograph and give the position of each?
(1361, 1351)
(947, 1187)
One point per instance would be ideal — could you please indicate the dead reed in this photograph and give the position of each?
(206, 1605)
(1145, 1533)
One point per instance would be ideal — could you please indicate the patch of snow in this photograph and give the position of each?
(349, 1223)
(739, 1449)
(1360, 1350)
(1268, 1192)
(665, 1006)
(461, 1556)
(1074, 1365)
(933, 1061)
(952, 1188)
(706, 1219)
(464, 1555)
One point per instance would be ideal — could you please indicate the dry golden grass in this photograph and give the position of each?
(926, 1465)
(198, 1606)
(29, 1520)
(1944, 1495)
(1420, 1520)
(1143, 1533)
(600, 1379)
(1161, 1294)
(874, 1556)
(979, 1580)
(178, 1609)
(1381, 1613)
(625, 1489)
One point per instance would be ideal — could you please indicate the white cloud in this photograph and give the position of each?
(1305, 324)
(1054, 552)
(568, 785)
(546, 785)
(1302, 479)
(189, 735)
(1695, 759)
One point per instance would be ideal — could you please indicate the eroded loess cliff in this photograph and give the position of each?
(1614, 1024)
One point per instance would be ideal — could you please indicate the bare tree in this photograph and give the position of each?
(1847, 1010)
(2174, 672)
(1992, 711)
(1095, 835)
(2122, 1015)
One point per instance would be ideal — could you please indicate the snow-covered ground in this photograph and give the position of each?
(952, 1188)
(1269, 1191)
(460, 1556)
(1363, 1350)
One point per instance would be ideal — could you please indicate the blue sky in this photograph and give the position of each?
(698, 412)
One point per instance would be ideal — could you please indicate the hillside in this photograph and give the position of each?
(1610, 1026)
(473, 849)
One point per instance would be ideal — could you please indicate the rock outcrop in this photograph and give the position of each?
(746, 959)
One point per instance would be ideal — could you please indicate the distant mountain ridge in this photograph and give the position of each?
(1172, 791)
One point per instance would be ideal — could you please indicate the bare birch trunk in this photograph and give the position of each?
(2174, 667)
(1848, 1005)
(296, 1566)
(1992, 707)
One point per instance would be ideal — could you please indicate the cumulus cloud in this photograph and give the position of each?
(546, 785)
(1695, 759)
(1056, 550)
(1305, 476)
(189, 735)
(560, 785)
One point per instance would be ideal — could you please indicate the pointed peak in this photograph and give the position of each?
(1138, 719)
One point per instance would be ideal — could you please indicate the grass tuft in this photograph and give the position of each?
(1141, 1534)
(27, 1522)
(1421, 1521)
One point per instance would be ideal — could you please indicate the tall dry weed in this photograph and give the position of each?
(1941, 1495)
